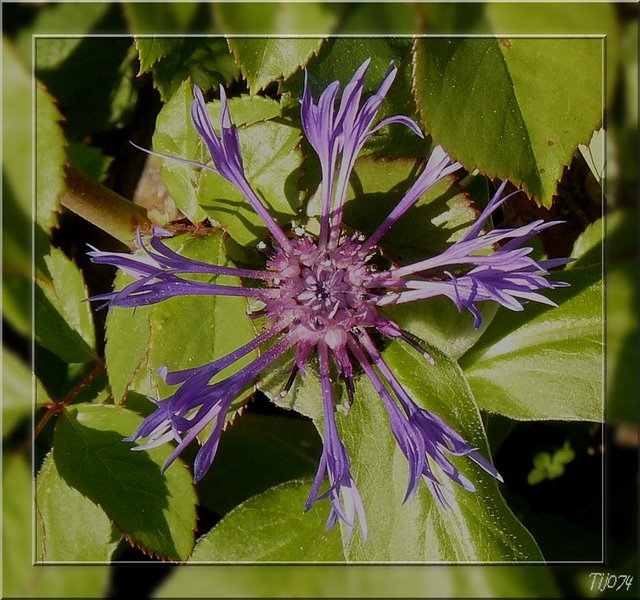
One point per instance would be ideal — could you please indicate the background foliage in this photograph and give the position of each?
(527, 387)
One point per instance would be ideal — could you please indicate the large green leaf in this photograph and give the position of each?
(386, 581)
(479, 525)
(565, 19)
(513, 108)
(271, 163)
(20, 579)
(178, 333)
(155, 511)
(87, 537)
(63, 320)
(256, 453)
(621, 305)
(544, 362)
(272, 527)
(152, 49)
(265, 60)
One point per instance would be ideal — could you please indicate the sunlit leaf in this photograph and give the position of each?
(271, 163)
(544, 362)
(512, 108)
(265, 60)
(272, 527)
(479, 525)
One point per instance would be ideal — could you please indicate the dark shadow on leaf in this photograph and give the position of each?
(415, 236)
(129, 486)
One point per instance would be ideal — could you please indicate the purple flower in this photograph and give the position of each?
(322, 296)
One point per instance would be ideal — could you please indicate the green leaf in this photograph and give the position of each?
(386, 581)
(246, 110)
(63, 320)
(50, 159)
(536, 476)
(16, 391)
(265, 60)
(168, 17)
(256, 453)
(178, 333)
(270, 18)
(339, 60)
(270, 156)
(619, 228)
(544, 362)
(272, 527)
(206, 61)
(175, 135)
(547, 466)
(512, 108)
(438, 322)
(87, 537)
(16, 131)
(560, 18)
(382, 17)
(154, 511)
(20, 578)
(305, 396)
(272, 163)
(151, 50)
(479, 525)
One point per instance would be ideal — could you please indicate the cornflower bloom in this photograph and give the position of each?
(323, 297)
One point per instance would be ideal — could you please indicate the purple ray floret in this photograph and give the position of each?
(324, 298)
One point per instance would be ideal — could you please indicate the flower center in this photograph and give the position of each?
(321, 293)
